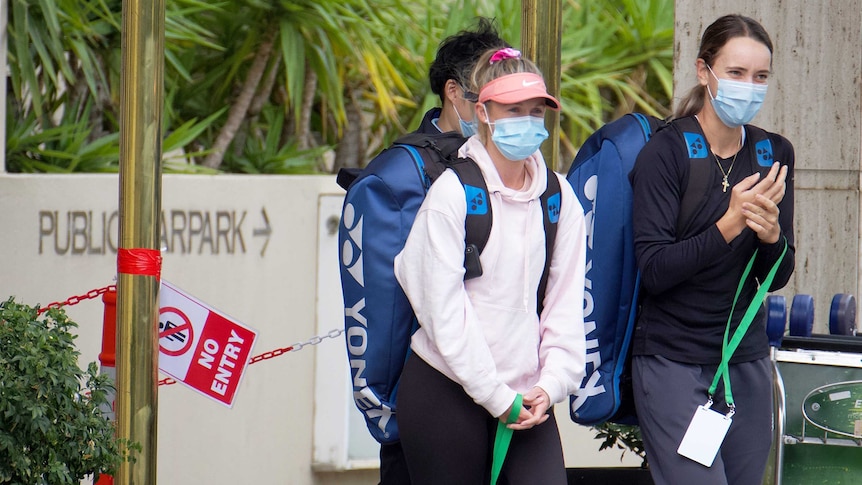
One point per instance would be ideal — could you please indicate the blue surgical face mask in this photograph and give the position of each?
(736, 103)
(518, 138)
(468, 128)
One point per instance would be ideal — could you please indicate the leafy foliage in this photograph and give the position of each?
(52, 426)
(623, 437)
(283, 86)
(617, 56)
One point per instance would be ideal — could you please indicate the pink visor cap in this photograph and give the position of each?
(514, 88)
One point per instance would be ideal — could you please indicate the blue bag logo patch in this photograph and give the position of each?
(696, 145)
(351, 250)
(477, 200)
(764, 153)
(554, 208)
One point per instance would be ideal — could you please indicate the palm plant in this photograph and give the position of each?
(617, 56)
(253, 86)
(64, 58)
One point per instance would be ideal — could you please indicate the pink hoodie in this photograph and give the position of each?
(484, 333)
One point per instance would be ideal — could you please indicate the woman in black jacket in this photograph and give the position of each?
(711, 195)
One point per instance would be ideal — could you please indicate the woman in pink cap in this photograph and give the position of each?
(488, 351)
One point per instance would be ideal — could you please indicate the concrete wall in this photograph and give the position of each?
(293, 421)
(813, 100)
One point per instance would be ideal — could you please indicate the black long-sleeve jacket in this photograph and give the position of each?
(689, 279)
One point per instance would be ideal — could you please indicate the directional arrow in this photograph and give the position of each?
(266, 230)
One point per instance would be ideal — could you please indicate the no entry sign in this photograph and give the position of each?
(200, 347)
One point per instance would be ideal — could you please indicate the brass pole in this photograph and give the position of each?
(142, 93)
(541, 32)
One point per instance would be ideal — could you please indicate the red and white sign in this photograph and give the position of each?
(200, 347)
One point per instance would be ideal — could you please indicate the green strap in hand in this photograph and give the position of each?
(503, 438)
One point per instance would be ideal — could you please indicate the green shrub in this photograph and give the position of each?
(52, 426)
(622, 437)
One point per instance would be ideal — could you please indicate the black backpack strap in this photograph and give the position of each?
(761, 148)
(346, 176)
(479, 218)
(437, 150)
(700, 171)
(446, 144)
(431, 151)
(551, 200)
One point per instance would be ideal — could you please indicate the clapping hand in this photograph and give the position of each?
(754, 204)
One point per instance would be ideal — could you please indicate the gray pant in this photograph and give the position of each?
(666, 395)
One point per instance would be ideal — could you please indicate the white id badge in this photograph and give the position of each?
(704, 436)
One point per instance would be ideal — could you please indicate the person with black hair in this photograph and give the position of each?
(694, 335)
(449, 76)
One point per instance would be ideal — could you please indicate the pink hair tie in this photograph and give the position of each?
(506, 53)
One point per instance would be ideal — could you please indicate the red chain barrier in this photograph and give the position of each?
(254, 360)
(269, 355)
(74, 300)
(277, 352)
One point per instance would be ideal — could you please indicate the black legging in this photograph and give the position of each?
(448, 438)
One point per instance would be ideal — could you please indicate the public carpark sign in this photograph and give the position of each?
(200, 347)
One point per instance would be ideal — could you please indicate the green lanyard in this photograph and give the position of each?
(728, 348)
(503, 438)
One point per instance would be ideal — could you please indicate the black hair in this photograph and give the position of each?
(458, 53)
(714, 38)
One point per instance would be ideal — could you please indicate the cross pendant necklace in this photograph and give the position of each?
(724, 183)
